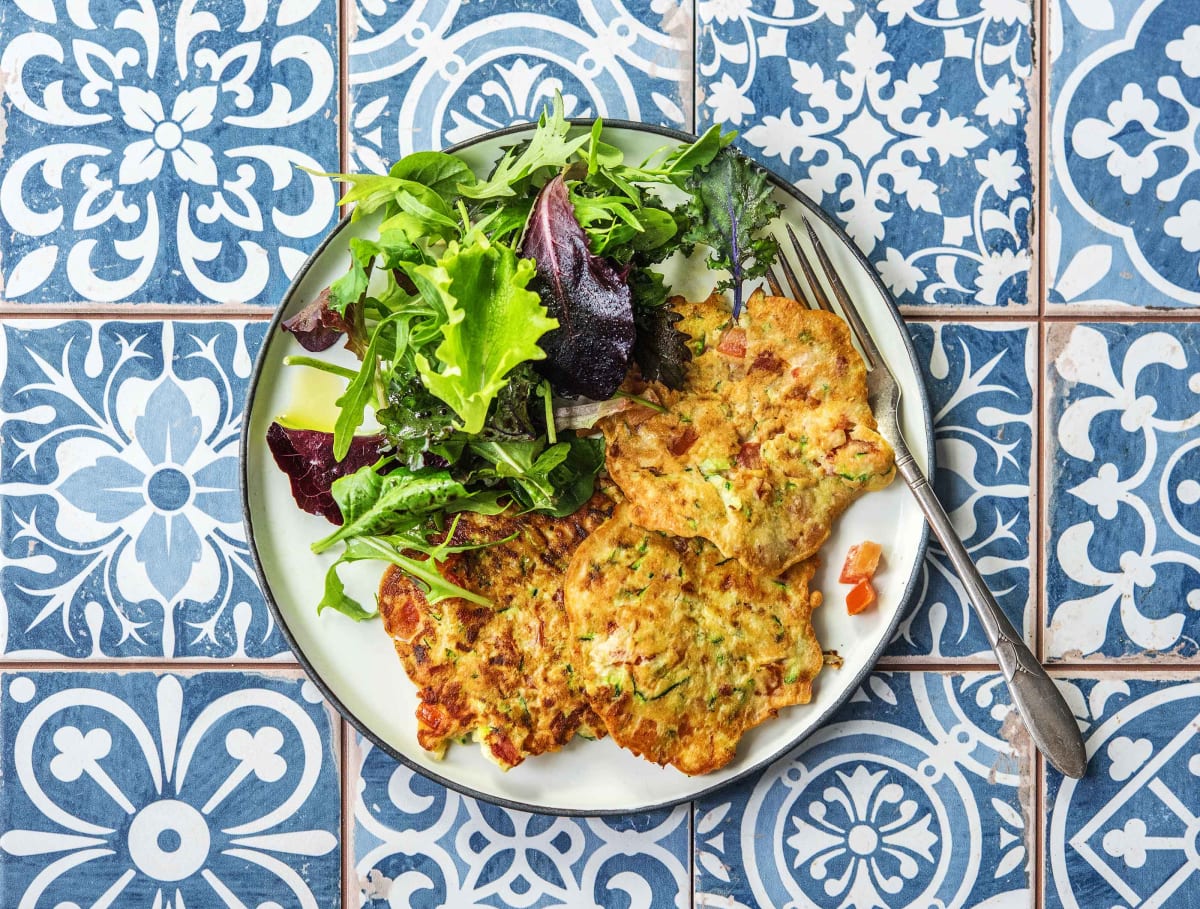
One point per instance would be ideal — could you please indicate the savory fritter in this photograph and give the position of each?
(769, 440)
(501, 673)
(682, 650)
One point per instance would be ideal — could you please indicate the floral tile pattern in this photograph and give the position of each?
(119, 505)
(151, 150)
(1123, 576)
(434, 72)
(1126, 834)
(417, 843)
(910, 121)
(910, 797)
(145, 789)
(980, 380)
(1125, 164)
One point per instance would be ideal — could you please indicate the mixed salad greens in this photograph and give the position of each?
(493, 318)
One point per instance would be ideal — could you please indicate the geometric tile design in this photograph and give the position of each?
(1126, 834)
(980, 381)
(218, 789)
(1123, 574)
(418, 843)
(152, 149)
(909, 797)
(119, 506)
(429, 74)
(908, 121)
(1124, 153)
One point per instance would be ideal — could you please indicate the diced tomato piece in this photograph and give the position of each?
(861, 596)
(684, 441)
(749, 456)
(861, 562)
(733, 342)
(433, 716)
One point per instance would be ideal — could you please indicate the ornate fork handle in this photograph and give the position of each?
(1046, 714)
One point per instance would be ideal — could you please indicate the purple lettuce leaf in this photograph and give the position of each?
(306, 456)
(590, 352)
(316, 326)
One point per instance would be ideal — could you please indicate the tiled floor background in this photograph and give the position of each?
(1026, 179)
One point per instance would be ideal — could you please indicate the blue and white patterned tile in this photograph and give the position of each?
(1122, 570)
(435, 72)
(151, 151)
(1124, 160)
(1126, 834)
(910, 798)
(419, 844)
(142, 789)
(980, 380)
(908, 120)
(120, 519)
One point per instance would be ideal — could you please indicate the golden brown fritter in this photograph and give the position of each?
(501, 673)
(682, 650)
(769, 440)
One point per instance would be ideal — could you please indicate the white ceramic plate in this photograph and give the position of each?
(354, 663)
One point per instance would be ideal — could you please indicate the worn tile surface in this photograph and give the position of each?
(119, 506)
(417, 843)
(910, 797)
(139, 789)
(1126, 834)
(1124, 158)
(980, 380)
(429, 74)
(1123, 575)
(151, 149)
(909, 121)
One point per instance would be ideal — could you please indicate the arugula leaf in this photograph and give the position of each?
(590, 352)
(493, 324)
(353, 402)
(555, 480)
(351, 286)
(730, 208)
(548, 147)
(661, 350)
(373, 504)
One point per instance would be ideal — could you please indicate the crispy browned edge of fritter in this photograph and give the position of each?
(441, 713)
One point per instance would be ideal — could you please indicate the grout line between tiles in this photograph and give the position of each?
(345, 12)
(348, 784)
(8, 665)
(692, 854)
(1040, 429)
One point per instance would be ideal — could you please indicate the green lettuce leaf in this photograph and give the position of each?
(493, 323)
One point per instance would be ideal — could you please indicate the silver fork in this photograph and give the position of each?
(1041, 705)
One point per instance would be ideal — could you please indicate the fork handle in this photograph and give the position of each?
(1047, 717)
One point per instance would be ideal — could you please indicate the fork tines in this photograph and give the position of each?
(857, 326)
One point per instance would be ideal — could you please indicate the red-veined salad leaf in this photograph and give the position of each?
(730, 208)
(306, 456)
(590, 351)
(317, 327)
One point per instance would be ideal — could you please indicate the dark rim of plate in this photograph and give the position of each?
(851, 684)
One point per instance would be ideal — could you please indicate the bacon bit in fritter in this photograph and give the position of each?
(684, 441)
(766, 361)
(748, 456)
(733, 343)
(433, 717)
(505, 750)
